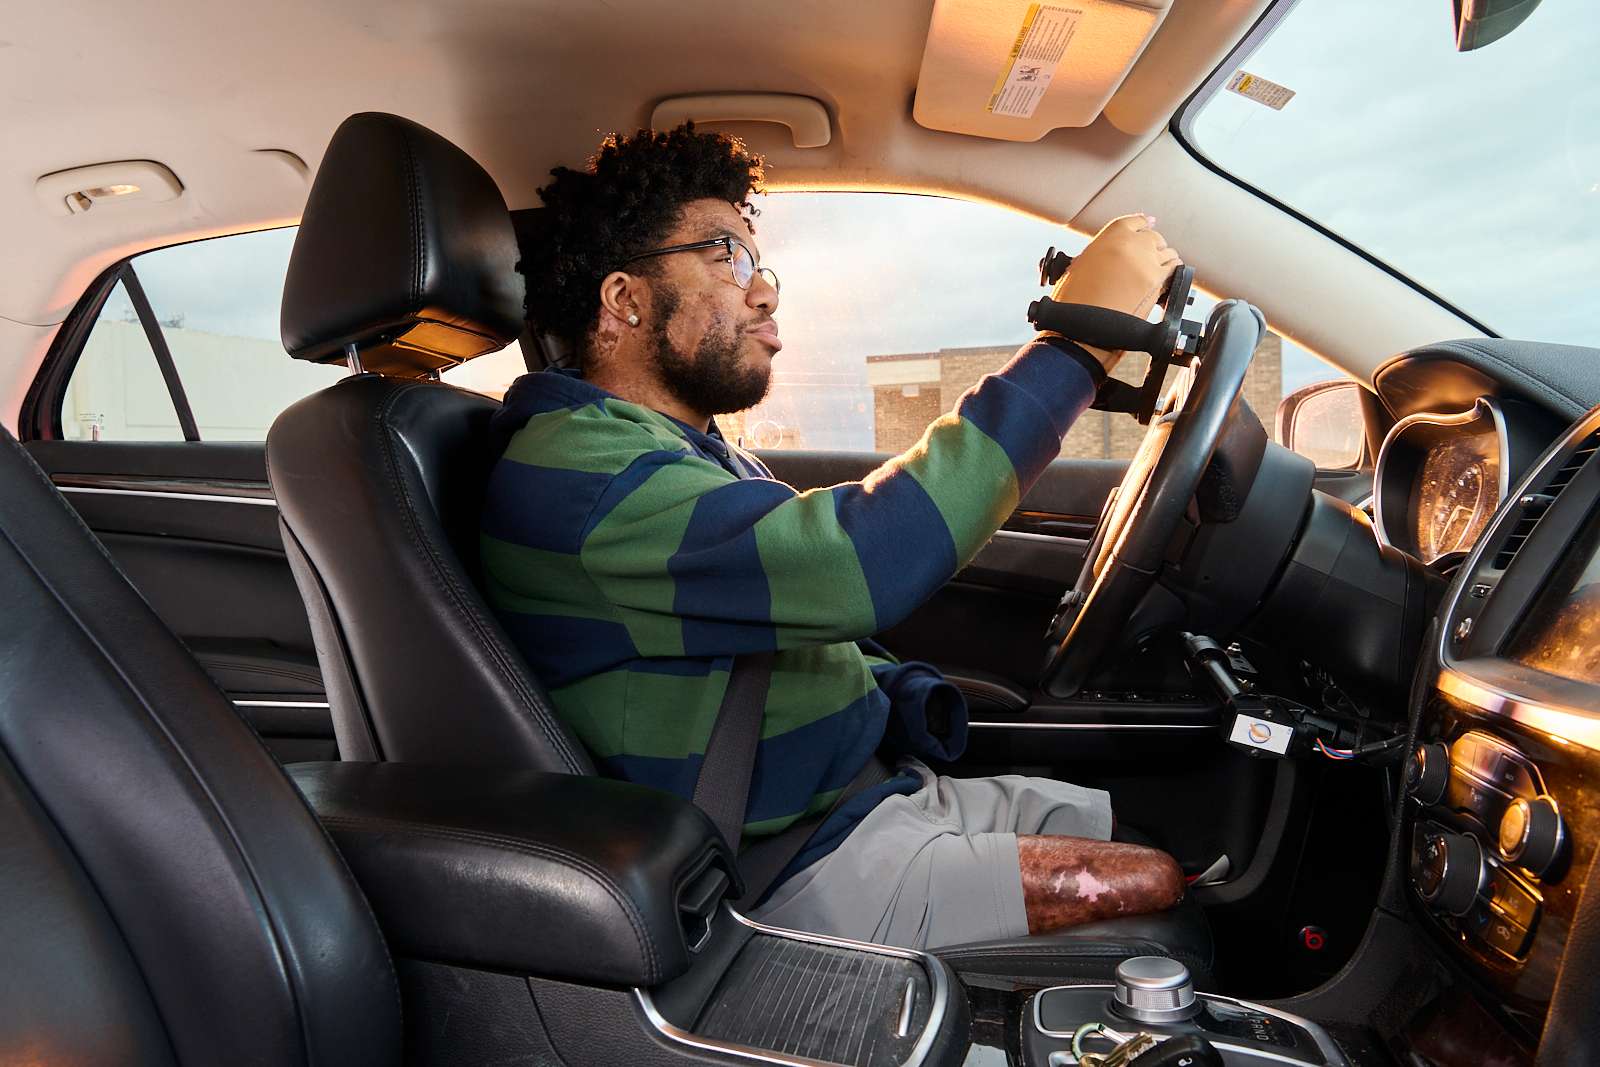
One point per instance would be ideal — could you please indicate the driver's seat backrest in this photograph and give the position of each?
(406, 254)
(166, 896)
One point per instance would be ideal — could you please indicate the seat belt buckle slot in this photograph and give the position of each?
(697, 905)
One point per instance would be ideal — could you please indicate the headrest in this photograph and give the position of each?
(406, 250)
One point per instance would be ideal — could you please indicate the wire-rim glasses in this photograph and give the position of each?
(741, 262)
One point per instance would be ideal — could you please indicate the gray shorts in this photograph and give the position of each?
(937, 867)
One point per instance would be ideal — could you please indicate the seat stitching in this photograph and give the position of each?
(414, 197)
(442, 575)
(514, 844)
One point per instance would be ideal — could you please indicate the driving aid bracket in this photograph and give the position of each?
(1261, 724)
(1172, 340)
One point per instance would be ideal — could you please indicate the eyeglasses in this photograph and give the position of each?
(741, 262)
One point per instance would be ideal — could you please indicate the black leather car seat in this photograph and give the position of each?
(166, 896)
(405, 257)
(405, 262)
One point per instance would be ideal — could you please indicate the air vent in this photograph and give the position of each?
(1574, 463)
(1532, 506)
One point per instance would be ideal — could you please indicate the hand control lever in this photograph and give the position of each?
(1172, 339)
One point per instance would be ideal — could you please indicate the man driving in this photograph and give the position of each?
(633, 554)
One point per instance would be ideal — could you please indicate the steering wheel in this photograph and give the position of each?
(1144, 518)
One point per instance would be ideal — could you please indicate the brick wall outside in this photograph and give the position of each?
(901, 419)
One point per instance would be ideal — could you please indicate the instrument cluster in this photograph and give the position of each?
(1440, 478)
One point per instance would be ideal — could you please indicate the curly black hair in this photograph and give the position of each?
(628, 199)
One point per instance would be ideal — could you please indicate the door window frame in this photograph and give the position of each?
(40, 416)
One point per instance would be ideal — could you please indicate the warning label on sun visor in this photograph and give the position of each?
(1040, 44)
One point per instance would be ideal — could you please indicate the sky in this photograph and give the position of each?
(1477, 174)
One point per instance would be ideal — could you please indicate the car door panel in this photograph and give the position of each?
(193, 526)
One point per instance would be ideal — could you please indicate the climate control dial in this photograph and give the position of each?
(1449, 871)
(1428, 773)
(1531, 833)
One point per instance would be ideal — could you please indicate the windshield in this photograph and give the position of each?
(1476, 175)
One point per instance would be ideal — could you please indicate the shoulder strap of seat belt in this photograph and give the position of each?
(763, 861)
(722, 790)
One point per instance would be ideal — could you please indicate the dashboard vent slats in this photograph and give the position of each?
(1533, 505)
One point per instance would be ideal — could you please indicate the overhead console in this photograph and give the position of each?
(1502, 822)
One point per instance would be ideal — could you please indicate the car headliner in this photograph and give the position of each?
(524, 85)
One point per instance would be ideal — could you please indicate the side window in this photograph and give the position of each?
(117, 392)
(213, 306)
(213, 309)
(893, 305)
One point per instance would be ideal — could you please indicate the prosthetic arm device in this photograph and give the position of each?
(1174, 339)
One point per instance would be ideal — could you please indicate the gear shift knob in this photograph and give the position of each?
(1154, 989)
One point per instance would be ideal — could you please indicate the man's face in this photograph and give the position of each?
(713, 341)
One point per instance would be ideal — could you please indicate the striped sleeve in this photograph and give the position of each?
(751, 565)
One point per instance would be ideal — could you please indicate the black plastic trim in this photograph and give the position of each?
(40, 416)
(1182, 122)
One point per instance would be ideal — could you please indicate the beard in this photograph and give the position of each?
(713, 379)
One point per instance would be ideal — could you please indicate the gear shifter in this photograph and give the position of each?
(1154, 989)
(1154, 1000)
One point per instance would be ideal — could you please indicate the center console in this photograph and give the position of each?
(1153, 995)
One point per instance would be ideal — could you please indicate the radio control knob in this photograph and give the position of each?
(1531, 833)
(1428, 773)
(1449, 871)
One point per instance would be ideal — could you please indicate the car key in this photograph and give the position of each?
(1123, 1054)
(1187, 1050)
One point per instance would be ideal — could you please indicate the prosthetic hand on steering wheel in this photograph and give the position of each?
(1126, 269)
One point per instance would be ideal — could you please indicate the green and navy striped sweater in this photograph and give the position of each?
(631, 557)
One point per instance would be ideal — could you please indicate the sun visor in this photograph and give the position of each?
(1013, 70)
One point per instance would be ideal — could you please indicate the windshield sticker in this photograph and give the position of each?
(1260, 90)
(1040, 44)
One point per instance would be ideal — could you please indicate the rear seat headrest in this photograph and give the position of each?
(406, 250)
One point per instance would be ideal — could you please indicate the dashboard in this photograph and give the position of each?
(1504, 782)
(1490, 475)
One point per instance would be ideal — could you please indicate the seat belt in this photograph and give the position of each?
(763, 861)
(722, 789)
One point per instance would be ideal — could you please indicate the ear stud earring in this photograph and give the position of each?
(633, 320)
